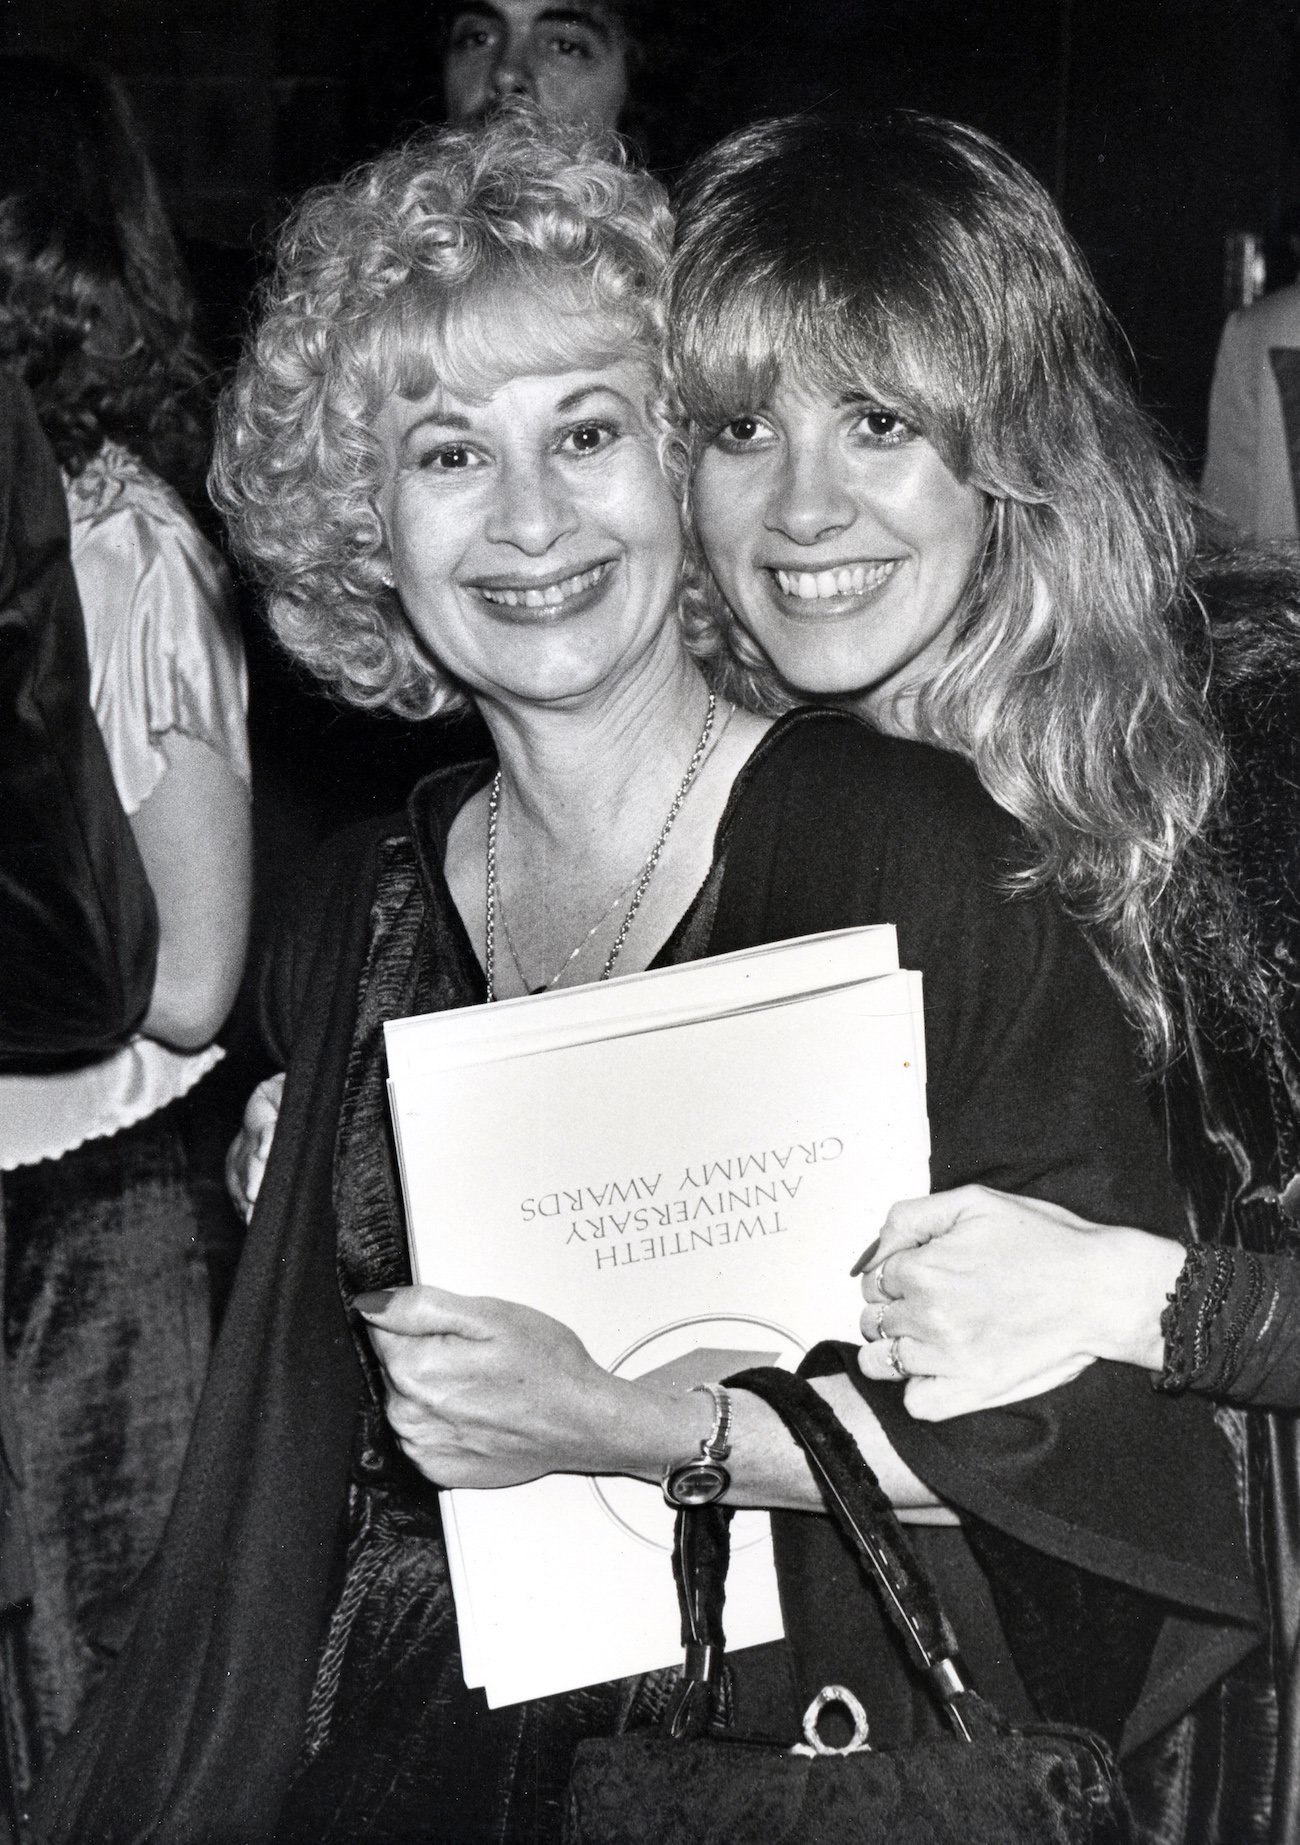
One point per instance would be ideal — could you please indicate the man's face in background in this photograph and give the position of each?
(570, 59)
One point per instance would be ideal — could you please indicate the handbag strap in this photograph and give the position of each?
(855, 1500)
(701, 1554)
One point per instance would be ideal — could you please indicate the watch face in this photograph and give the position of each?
(696, 1482)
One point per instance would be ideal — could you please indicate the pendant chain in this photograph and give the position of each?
(495, 907)
(555, 979)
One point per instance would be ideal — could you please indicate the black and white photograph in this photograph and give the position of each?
(649, 922)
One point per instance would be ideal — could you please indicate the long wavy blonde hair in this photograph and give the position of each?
(911, 259)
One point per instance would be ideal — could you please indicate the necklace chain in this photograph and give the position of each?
(495, 907)
(555, 979)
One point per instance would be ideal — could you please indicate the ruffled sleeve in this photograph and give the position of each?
(165, 652)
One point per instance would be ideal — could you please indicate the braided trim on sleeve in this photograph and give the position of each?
(1215, 1301)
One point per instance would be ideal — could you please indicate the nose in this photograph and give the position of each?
(512, 74)
(808, 500)
(532, 509)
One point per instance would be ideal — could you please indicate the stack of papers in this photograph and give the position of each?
(681, 1165)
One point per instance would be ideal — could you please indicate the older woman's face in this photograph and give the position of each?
(534, 539)
(840, 539)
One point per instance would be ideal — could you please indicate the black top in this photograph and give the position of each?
(78, 927)
(1032, 1086)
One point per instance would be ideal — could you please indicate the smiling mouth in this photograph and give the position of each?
(545, 595)
(835, 584)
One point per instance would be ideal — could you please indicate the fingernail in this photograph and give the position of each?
(375, 1302)
(865, 1257)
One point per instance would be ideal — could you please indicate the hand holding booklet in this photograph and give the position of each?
(682, 1166)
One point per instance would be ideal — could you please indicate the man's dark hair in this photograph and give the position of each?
(680, 62)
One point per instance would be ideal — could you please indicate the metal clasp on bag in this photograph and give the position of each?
(833, 1694)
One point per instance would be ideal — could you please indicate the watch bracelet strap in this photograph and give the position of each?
(716, 1445)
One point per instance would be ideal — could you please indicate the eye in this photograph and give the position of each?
(449, 458)
(882, 428)
(587, 438)
(742, 433)
(470, 37)
(566, 45)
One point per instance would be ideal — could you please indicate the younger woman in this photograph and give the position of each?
(924, 487)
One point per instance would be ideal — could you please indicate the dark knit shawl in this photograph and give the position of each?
(1252, 603)
(1232, 1100)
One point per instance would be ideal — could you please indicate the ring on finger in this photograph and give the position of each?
(896, 1362)
(880, 1281)
(881, 1308)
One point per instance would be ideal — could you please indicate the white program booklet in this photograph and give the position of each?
(682, 1166)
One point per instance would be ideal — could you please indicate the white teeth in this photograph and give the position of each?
(844, 580)
(549, 598)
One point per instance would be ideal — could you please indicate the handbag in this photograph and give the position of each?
(988, 1783)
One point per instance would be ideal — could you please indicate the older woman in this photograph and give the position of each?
(444, 455)
(924, 485)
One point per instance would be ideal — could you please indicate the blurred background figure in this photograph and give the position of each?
(1252, 446)
(78, 923)
(106, 1298)
(570, 59)
(1252, 453)
(659, 71)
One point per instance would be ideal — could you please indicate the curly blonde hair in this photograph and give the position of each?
(913, 259)
(399, 277)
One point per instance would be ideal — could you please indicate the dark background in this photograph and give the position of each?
(1160, 125)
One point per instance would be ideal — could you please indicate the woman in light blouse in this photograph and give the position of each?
(105, 1283)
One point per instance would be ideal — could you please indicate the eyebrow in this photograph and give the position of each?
(584, 391)
(592, 17)
(456, 420)
(435, 419)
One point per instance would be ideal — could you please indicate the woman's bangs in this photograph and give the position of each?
(729, 353)
(879, 331)
(480, 339)
(735, 350)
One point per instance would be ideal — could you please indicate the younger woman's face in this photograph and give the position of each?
(841, 541)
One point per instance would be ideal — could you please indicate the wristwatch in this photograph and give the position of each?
(703, 1477)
